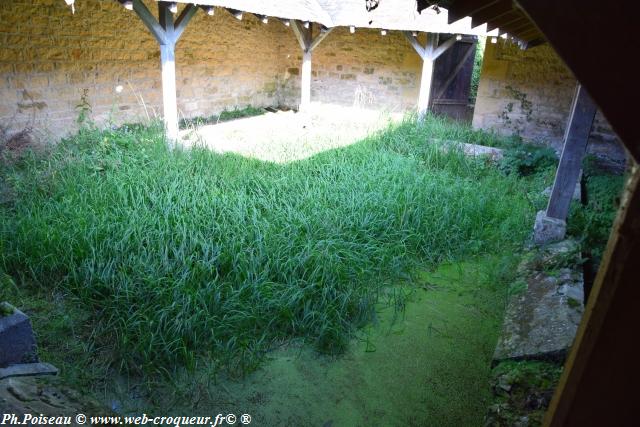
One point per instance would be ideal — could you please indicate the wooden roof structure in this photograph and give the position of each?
(503, 15)
(400, 15)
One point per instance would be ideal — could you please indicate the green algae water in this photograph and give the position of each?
(425, 365)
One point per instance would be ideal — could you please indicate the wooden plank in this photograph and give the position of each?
(455, 71)
(302, 34)
(150, 21)
(413, 41)
(181, 23)
(435, 53)
(461, 8)
(598, 386)
(319, 38)
(576, 137)
(492, 12)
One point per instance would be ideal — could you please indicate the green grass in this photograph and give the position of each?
(178, 256)
(592, 223)
(446, 129)
(224, 116)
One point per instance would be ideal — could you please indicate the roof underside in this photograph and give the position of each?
(389, 15)
(502, 14)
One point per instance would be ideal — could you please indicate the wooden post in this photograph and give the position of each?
(583, 111)
(307, 43)
(168, 65)
(167, 33)
(169, 97)
(424, 97)
(305, 84)
(428, 54)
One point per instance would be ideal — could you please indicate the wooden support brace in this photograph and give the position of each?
(319, 38)
(583, 111)
(303, 35)
(413, 40)
(441, 49)
(456, 70)
(150, 21)
(181, 23)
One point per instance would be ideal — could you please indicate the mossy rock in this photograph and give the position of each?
(6, 309)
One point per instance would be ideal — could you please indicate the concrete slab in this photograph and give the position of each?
(541, 321)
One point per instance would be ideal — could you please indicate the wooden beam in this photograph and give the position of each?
(456, 70)
(181, 23)
(492, 12)
(599, 383)
(441, 49)
(150, 22)
(303, 35)
(583, 111)
(415, 43)
(319, 38)
(461, 8)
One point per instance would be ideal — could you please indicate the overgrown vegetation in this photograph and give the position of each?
(522, 392)
(182, 255)
(442, 128)
(226, 115)
(477, 69)
(591, 223)
(525, 159)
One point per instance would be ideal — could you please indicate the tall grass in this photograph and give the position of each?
(192, 254)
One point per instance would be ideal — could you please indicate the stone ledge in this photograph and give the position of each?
(541, 321)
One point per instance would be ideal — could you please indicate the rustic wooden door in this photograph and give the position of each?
(451, 83)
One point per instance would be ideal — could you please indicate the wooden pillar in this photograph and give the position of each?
(583, 111)
(307, 43)
(167, 32)
(169, 98)
(305, 84)
(426, 80)
(168, 65)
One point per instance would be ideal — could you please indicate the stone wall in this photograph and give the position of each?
(49, 58)
(366, 69)
(529, 92)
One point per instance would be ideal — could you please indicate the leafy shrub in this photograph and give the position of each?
(525, 159)
(591, 224)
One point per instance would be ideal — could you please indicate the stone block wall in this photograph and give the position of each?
(366, 69)
(529, 92)
(50, 57)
